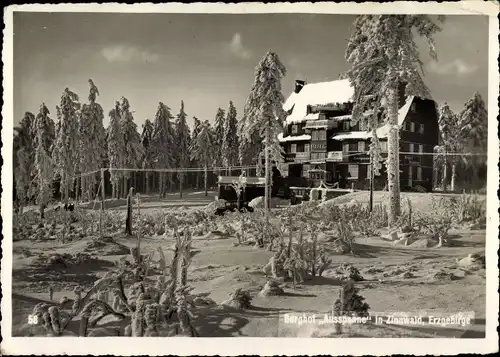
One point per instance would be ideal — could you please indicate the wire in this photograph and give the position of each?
(185, 169)
(247, 167)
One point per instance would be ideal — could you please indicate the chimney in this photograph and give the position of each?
(299, 84)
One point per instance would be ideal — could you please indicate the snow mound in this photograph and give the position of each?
(258, 202)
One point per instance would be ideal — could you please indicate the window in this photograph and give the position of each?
(295, 129)
(318, 134)
(419, 173)
(420, 148)
(361, 146)
(307, 147)
(413, 107)
(410, 147)
(421, 128)
(318, 155)
(300, 147)
(412, 127)
(353, 147)
(345, 147)
(383, 146)
(293, 148)
(345, 125)
(353, 171)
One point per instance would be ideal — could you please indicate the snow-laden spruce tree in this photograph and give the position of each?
(202, 149)
(384, 57)
(264, 113)
(43, 166)
(65, 152)
(230, 144)
(220, 118)
(474, 131)
(451, 142)
(183, 138)
(148, 155)
(249, 146)
(163, 145)
(133, 150)
(92, 138)
(116, 148)
(24, 157)
(194, 134)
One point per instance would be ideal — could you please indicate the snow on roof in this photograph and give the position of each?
(289, 102)
(312, 116)
(383, 131)
(339, 91)
(293, 138)
(352, 135)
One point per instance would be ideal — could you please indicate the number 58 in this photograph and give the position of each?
(33, 319)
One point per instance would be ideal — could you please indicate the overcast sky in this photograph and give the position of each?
(208, 60)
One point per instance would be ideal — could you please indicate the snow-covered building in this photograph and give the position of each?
(321, 143)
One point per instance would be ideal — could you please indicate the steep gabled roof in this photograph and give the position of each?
(383, 131)
(339, 91)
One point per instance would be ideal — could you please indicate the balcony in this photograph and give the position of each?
(335, 156)
(297, 156)
(319, 124)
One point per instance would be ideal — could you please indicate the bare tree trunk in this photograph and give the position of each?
(393, 158)
(42, 210)
(453, 176)
(66, 191)
(124, 188)
(161, 183)
(128, 220)
(445, 175)
(181, 181)
(267, 173)
(206, 179)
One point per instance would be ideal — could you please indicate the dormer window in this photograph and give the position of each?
(295, 129)
(345, 125)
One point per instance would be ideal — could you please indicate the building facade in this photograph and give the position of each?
(322, 144)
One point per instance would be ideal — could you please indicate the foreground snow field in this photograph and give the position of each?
(405, 278)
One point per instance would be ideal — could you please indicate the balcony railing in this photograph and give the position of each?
(297, 156)
(318, 124)
(302, 156)
(335, 156)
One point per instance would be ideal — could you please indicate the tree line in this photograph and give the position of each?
(464, 132)
(63, 158)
